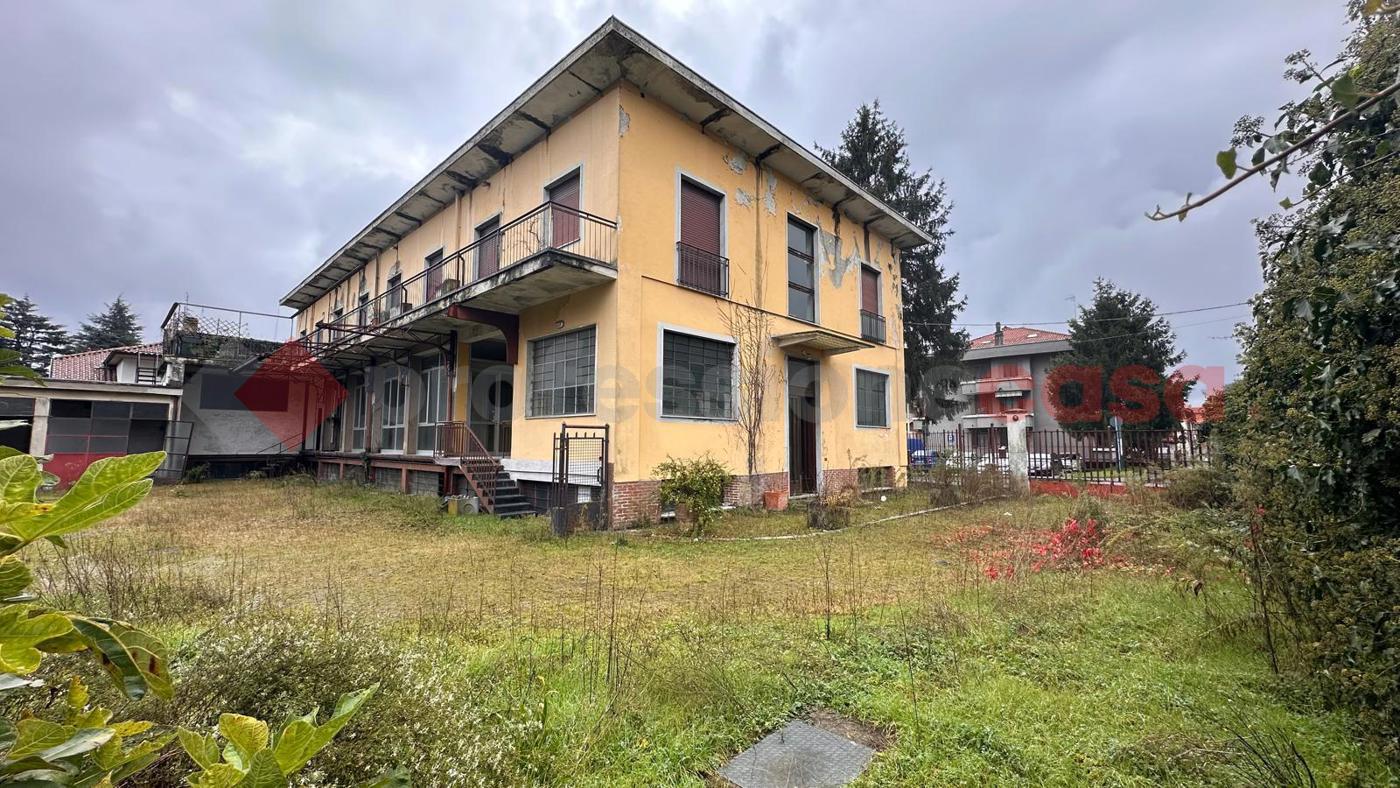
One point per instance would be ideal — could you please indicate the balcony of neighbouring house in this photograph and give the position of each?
(548, 253)
(220, 336)
(872, 326)
(1012, 386)
(702, 270)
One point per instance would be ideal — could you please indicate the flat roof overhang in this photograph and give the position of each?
(820, 341)
(614, 52)
(512, 290)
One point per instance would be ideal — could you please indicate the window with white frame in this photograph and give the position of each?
(697, 377)
(562, 373)
(432, 402)
(358, 397)
(393, 408)
(872, 399)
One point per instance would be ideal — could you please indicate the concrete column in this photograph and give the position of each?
(1018, 454)
(39, 427)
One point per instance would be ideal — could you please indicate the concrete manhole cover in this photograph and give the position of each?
(798, 755)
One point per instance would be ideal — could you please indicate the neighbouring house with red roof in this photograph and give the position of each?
(130, 364)
(1006, 373)
(187, 395)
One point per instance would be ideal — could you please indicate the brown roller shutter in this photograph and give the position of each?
(564, 195)
(870, 291)
(488, 248)
(700, 218)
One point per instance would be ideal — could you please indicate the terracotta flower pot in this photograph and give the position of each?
(775, 500)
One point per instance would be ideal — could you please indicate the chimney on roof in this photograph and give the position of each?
(998, 337)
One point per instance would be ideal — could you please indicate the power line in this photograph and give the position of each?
(1019, 323)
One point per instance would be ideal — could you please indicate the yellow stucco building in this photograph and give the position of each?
(624, 245)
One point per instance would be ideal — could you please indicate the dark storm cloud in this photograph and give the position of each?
(218, 152)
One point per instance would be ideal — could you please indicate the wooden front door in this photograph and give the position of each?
(802, 426)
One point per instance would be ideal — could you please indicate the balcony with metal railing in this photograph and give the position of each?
(872, 326)
(216, 335)
(702, 270)
(550, 252)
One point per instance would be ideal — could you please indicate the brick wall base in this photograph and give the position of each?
(639, 503)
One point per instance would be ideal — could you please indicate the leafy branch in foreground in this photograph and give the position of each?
(1339, 128)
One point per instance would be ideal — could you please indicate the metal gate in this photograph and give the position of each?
(581, 461)
(178, 435)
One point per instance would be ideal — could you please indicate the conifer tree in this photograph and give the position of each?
(36, 338)
(115, 326)
(874, 153)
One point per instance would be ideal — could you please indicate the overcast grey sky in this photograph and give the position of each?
(217, 152)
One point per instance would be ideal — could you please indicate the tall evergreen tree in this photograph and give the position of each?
(37, 338)
(874, 153)
(1120, 359)
(115, 326)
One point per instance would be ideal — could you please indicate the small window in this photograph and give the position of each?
(872, 399)
(563, 211)
(697, 378)
(488, 248)
(562, 374)
(393, 296)
(432, 264)
(872, 322)
(802, 282)
(700, 263)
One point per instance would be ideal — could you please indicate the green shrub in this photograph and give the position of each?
(429, 717)
(1196, 488)
(695, 487)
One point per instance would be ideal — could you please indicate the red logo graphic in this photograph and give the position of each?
(291, 393)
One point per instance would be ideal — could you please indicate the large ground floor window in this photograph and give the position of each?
(393, 408)
(562, 373)
(432, 402)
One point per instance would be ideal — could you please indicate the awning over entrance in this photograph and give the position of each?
(820, 341)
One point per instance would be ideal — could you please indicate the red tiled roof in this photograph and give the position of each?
(1017, 335)
(88, 364)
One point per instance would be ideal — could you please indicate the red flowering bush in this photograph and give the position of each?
(1073, 545)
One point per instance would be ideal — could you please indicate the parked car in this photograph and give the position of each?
(923, 458)
(1053, 463)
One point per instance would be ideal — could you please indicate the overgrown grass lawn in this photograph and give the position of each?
(649, 657)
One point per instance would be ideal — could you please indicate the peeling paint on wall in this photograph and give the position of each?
(743, 198)
(736, 162)
(624, 121)
(770, 193)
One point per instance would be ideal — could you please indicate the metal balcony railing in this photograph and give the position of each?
(702, 270)
(224, 336)
(872, 326)
(548, 228)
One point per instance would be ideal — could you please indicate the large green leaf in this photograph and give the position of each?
(108, 487)
(14, 576)
(302, 739)
(221, 775)
(263, 772)
(83, 740)
(202, 748)
(19, 478)
(246, 735)
(21, 632)
(140, 756)
(33, 736)
(135, 659)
